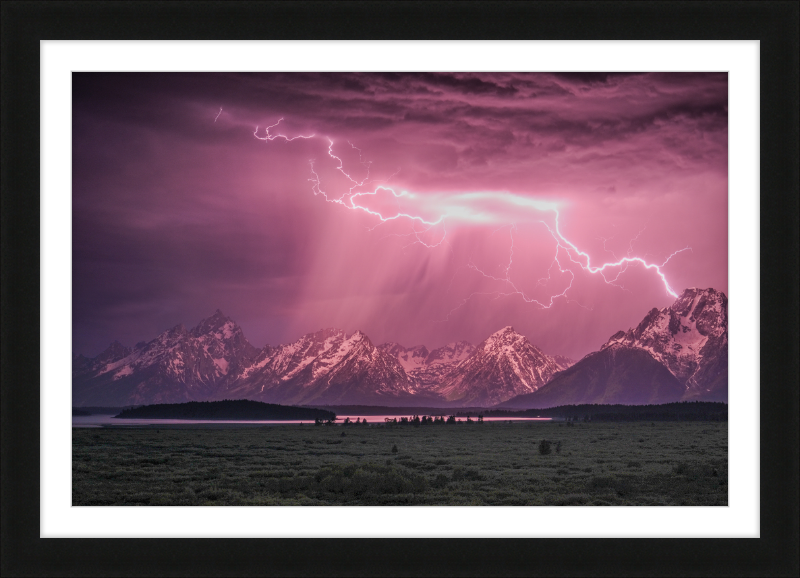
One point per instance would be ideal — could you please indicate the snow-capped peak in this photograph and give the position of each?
(217, 325)
(179, 329)
(504, 365)
(690, 337)
(508, 329)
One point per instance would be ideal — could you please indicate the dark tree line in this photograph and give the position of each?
(228, 409)
(416, 420)
(677, 411)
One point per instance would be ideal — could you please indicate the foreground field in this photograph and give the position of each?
(498, 464)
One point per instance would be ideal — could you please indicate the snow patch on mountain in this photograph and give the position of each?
(178, 365)
(127, 370)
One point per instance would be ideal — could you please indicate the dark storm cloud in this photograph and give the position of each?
(467, 85)
(176, 214)
(593, 77)
(437, 84)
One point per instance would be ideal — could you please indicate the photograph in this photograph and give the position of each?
(399, 288)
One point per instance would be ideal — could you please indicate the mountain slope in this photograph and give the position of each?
(615, 374)
(178, 365)
(425, 369)
(690, 338)
(504, 365)
(410, 358)
(327, 367)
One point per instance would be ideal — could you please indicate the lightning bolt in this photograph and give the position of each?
(219, 113)
(348, 199)
(431, 211)
(587, 266)
(271, 137)
(506, 279)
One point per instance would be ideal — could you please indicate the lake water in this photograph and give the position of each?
(104, 420)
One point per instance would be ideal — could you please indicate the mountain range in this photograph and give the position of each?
(675, 353)
(678, 353)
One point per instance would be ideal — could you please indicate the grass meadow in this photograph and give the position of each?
(497, 464)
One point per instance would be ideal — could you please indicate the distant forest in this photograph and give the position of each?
(678, 411)
(97, 410)
(229, 409)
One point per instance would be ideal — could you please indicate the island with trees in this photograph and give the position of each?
(228, 409)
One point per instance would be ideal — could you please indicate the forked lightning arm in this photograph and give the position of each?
(468, 207)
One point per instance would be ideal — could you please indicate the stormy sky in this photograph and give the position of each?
(421, 208)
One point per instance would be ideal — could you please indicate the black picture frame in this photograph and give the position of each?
(775, 24)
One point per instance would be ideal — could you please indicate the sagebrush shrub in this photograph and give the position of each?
(441, 481)
(469, 474)
(544, 447)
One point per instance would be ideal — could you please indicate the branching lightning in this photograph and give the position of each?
(541, 282)
(428, 212)
(587, 266)
(271, 137)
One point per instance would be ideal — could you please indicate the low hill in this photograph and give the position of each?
(239, 409)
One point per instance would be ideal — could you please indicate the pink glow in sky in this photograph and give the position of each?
(419, 208)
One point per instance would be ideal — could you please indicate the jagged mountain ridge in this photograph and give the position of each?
(503, 366)
(327, 367)
(676, 353)
(214, 361)
(409, 357)
(426, 369)
(179, 365)
(690, 338)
